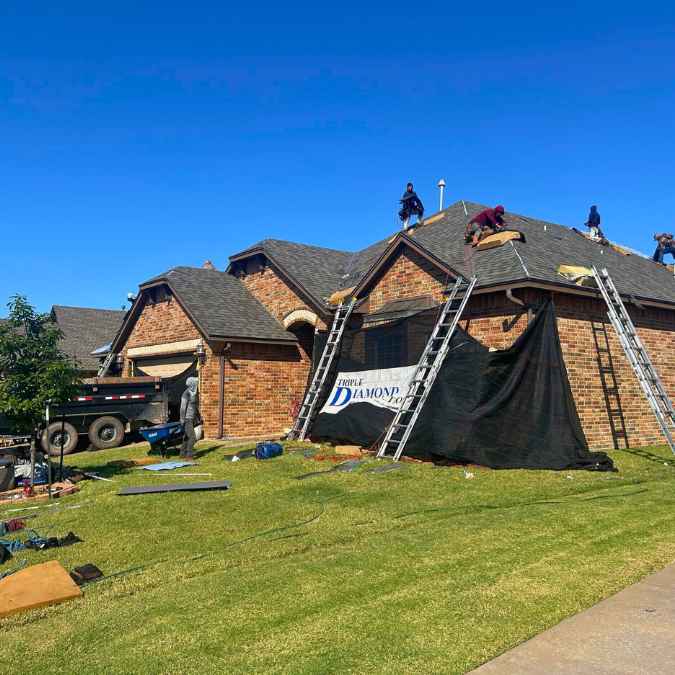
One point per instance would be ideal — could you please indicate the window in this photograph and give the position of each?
(386, 347)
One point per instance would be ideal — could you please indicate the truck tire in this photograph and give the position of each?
(51, 439)
(6, 473)
(106, 432)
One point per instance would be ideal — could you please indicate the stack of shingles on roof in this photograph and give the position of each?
(84, 330)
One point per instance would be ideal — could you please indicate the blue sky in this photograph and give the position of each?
(150, 135)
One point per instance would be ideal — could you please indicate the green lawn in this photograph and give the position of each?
(419, 570)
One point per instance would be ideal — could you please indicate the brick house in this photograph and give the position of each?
(254, 324)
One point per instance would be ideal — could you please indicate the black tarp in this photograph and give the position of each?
(503, 409)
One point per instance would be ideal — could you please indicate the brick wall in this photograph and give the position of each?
(408, 276)
(159, 323)
(274, 293)
(261, 382)
(496, 322)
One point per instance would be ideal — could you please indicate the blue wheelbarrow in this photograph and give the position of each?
(163, 436)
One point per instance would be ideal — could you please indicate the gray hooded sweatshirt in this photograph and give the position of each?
(189, 401)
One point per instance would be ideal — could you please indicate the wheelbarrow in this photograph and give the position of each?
(163, 436)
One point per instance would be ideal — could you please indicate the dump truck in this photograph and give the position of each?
(106, 409)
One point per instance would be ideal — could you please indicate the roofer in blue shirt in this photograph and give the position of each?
(411, 205)
(665, 244)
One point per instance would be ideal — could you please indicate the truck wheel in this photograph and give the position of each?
(6, 473)
(106, 432)
(51, 439)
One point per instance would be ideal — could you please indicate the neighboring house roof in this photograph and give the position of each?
(84, 329)
(219, 305)
(546, 246)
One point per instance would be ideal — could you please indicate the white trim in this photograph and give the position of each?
(166, 348)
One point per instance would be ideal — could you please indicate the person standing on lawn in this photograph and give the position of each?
(189, 415)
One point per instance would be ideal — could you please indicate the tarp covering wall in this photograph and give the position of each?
(503, 409)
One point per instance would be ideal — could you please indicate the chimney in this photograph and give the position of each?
(208, 265)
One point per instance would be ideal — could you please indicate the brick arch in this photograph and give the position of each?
(300, 316)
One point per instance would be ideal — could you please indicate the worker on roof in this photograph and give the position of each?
(411, 205)
(665, 244)
(485, 223)
(593, 224)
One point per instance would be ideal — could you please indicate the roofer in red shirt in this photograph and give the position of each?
(487, 222)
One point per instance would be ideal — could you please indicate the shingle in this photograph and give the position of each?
(84, 329)
(222, 305)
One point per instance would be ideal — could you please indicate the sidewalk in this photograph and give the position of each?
(631, 632)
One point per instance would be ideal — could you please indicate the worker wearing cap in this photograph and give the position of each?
(665, 244)
(411, 205)
(485, 223)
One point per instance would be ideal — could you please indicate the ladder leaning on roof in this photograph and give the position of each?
(103, 369)
(428, 367)
(308, 408)
(637, 355)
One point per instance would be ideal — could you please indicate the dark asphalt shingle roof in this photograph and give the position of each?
(221, 304)
(547, 245)
(84, 329)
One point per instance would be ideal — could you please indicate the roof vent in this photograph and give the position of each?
(208, 265)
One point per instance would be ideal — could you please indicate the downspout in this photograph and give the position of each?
(221, 397)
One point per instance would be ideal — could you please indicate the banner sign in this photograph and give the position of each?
(382, 388)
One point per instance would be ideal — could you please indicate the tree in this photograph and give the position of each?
(33, 369)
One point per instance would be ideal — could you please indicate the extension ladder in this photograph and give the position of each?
(637, 355)
(308, 408)
(106, 364)
(427, 369)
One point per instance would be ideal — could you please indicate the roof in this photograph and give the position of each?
(547, 245)
(220, 305)
(84, 329)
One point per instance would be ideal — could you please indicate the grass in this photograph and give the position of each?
(417, 570)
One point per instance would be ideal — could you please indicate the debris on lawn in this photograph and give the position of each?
(159, 475)
(84, 574)
(237, 457)
(345, 467)
(175, 487)
(40, 492)
(13, 525)
(37, 543)
(168, 466)
(36, 586)
(351, 450)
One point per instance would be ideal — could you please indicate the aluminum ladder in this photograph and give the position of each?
(308, 408)
(637, 355)
(427, 369)
(103, 369)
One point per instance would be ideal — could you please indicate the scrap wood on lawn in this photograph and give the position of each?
(418, 569)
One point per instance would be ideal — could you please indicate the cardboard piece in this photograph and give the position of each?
(499, 239)
(36, 586)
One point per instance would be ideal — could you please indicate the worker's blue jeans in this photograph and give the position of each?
(660, 252)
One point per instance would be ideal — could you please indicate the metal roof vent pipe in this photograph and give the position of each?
(441, 187)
